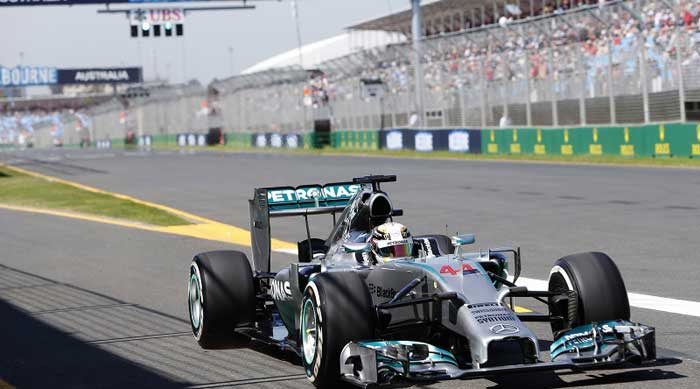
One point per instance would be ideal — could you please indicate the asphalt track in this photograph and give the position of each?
(85, 304)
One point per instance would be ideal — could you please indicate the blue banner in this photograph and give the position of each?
(28, 76)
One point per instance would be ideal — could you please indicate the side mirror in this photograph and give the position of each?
(356, 247)
(461, 240)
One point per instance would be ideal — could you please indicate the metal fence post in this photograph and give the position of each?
(462, 100)
(582, 96)
(611, 95)
(555, 109)
(241, 100)
(484, 92)
(417, 27)
(506, 89)
(528, 102)
(681, 82)
(643, 76)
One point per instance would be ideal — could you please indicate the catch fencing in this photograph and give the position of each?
(623, 63)
(618, 64)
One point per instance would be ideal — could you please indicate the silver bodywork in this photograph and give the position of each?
(482, 309)
(448, 291)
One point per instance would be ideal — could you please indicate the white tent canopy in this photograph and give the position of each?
(318, 52)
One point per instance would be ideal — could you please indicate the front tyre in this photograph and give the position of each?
(597, 282)
(335, 310)
(221, 296)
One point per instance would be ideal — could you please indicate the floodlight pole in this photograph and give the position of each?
(417, 27)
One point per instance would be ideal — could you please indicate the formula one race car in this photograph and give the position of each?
(442, 314)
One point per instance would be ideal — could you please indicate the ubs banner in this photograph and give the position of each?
(44, 75)
(455, 140)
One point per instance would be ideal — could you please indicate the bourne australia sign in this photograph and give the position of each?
(44, 75)
(6, 3)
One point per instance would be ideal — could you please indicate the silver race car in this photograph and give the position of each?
(445, 313)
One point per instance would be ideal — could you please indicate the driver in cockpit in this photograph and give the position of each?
(387, 242)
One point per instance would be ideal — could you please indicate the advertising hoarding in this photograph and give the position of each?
(21, 76)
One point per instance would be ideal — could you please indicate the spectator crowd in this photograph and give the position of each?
(564, 42)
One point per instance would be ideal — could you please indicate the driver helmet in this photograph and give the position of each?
(391, 241)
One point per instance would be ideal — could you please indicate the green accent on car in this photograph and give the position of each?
(194, 286)
(580, 337)
(435, 354)
(308, 358)
(425, 267)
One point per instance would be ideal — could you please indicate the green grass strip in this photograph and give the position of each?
(20, 189)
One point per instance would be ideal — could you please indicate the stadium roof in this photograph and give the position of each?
(316, 53)
(441, 9)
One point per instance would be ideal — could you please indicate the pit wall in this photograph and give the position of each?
(680, 140)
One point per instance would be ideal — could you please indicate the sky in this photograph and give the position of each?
(77, 36)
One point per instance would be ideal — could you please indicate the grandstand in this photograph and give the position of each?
(532, 64)
(557, 63)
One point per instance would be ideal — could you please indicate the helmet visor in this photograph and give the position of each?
(395, 249)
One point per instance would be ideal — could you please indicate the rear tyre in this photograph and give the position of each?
(600, 293)
(221, 296)
(335, 310)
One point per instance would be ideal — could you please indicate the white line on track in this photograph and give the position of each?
(637, 300)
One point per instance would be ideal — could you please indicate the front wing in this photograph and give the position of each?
(373, 363)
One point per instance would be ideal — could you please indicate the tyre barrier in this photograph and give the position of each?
(276, 140)
(454, 140)
(145, 140)
(191, 140)
(103, 144)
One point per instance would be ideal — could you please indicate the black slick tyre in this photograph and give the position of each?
(221, 296)
(335, 310)
(600, 292)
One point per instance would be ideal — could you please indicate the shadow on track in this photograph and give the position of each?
(60, 335)
(36, 355)
(646, 373)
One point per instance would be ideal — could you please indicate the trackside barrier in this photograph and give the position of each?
(103, 144)
(456, 140)
(238, 139)
(277, 140)
(164, 140)
(660, 140)
(356, 140)
(145, 141)
(191, 140)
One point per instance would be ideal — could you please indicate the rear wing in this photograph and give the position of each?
(285, 201)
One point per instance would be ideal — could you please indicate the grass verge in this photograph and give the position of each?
(17, 188)
(446, 155)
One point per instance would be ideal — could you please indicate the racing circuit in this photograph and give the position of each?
(88, 304)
